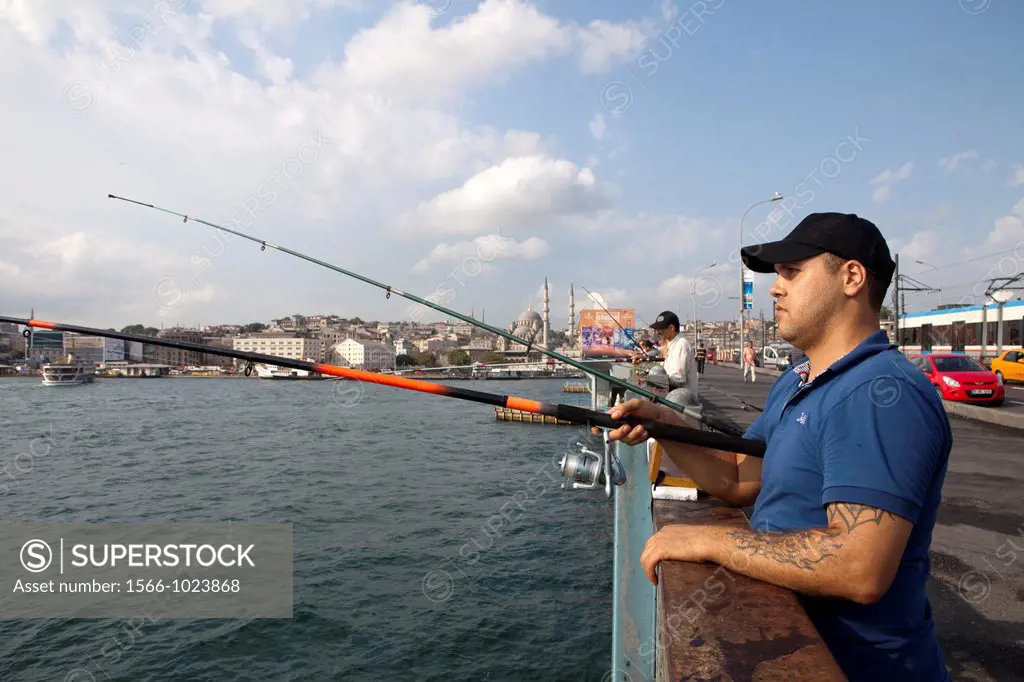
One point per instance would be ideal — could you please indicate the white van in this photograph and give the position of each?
(778, 356)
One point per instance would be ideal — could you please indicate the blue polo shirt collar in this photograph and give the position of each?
(876, 343)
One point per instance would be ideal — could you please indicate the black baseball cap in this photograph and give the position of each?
(664, 320)
(846, 235)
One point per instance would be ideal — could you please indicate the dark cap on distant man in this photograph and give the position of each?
(664, 320)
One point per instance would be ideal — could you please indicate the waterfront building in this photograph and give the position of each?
(369, 355)
(281, 345)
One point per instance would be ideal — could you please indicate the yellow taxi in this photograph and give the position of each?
(1009, 365)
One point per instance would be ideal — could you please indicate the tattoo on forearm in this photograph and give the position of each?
(807, 548)
(803, 549)
(848, 516)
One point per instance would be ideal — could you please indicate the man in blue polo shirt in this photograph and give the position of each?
(846, 496)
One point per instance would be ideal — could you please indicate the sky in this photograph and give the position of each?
(465, 150)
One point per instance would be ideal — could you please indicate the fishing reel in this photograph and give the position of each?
(588, 470)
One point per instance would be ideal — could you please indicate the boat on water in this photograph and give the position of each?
(68, 373)
(284, 374)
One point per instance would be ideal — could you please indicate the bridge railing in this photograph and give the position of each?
(702, 621)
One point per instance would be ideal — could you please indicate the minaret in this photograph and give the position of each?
(572, 314)
(547, 313)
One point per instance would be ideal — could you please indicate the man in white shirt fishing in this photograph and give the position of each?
(679, 361)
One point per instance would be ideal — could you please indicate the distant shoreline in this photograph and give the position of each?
(424, 377)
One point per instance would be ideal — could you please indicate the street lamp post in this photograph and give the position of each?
(929, 265)
(774, 197)
(1000, 297)
(693, 297)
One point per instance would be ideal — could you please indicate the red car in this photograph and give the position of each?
(960, 378)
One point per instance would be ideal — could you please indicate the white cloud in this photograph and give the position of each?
(941, 212)
(597, 126)
(405, 57)
(603, 43)
(1008, 231)
(520, 192)
(475, 255)
(676, 287)
(609, 297)
(182, 119)
(161, 114)
(890, 177)
(703, 287)
(951, 163)
(669, 10)
(887, 178)
(268, 14)
(277, 69)
(37, 20)
(666, 237)
(1017, 179)
(923, 245)
(82, 272)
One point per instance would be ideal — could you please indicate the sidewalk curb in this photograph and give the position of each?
(981, 413)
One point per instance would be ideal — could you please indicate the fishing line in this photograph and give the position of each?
(628, 335)
(729, 395)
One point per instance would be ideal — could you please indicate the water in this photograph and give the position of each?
(383, 486)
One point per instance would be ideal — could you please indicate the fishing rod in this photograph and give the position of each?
(569, 413)
(688, 411)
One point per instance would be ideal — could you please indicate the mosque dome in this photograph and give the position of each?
(530, 317)
(528, 325)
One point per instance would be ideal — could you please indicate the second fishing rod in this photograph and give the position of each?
(570, 413)
(264, 244)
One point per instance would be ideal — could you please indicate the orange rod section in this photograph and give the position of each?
(43, 324)
(524, 404)
(383, 379)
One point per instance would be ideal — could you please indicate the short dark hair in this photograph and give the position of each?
(876, 287)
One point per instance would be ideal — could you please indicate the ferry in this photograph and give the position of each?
(280, 374)
(68, 373)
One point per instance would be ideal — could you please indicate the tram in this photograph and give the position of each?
(958, 329)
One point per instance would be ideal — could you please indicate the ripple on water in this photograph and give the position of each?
(379, 494)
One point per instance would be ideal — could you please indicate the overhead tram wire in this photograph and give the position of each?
(264, 244)
(975, 259)
(571, 413)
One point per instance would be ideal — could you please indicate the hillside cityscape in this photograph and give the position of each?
(351, 342)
